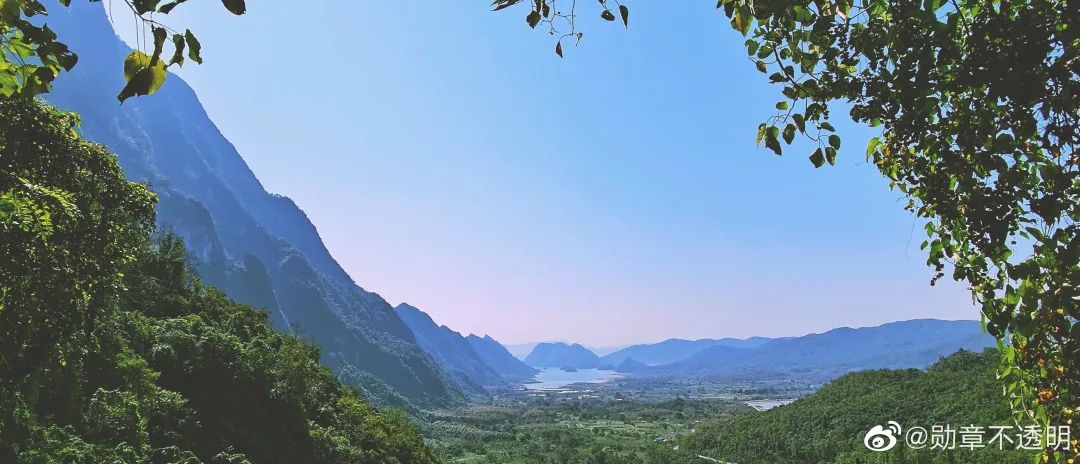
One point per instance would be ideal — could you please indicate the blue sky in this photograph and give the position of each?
(451, 160)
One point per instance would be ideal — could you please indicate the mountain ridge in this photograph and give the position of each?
(495, 355)
(256, 246)
(452, 352)
(915, 343)
(562, 355)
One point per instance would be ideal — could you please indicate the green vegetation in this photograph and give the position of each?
(112, 350)
(829, 425)
(979, 108)
(569, 429)
(32, 56)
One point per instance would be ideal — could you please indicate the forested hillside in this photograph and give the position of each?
(113, 350)
(829, 425)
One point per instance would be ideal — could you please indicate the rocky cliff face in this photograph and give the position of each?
(258, 247)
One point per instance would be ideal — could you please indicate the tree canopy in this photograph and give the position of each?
(111, 348)
(978, 107)
(32, 56)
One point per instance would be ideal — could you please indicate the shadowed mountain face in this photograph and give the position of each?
(897, 345)
(499, 358)
(258, 247)
(559, 355)
(453, 353)
(675, 349)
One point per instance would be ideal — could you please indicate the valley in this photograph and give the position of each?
(221, 328)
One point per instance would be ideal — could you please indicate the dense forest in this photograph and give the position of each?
(111, 348)
(829, 425)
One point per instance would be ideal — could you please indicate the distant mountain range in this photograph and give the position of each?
(258, 247)
(562, 355)
(675, 350)
(897, 345)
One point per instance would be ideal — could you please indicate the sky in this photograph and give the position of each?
(451, 160)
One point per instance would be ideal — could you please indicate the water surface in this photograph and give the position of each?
(558, 379)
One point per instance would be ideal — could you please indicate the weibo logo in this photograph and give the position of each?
(882, 437)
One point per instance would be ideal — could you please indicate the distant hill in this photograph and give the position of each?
(675, 349)
(498, 358)
(562, 355)
(908, 344)
(630, 366)
(958, 391)
(451, 352)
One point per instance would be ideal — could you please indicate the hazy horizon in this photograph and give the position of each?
(611, 348)
(645, 215)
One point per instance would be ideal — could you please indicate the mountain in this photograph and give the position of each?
(675, 349)
(897, 345)
(451, 351)
(521, 350)
(829, 425)
(630, 366)
(496, 356)
(562, 355)
(260, 248)
(602, 351)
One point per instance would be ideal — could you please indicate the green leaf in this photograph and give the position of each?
(168, 7)
(771, 141)
(9, 10)
(834, 141)
(194, 48)
(751, 47)
(817, 158)
(872, 147)
(783, 105)
(159, 43)
(135, 61)
(178, 50)
(558, 49)
(533, 19)
(143, 76)
(830, 155)
(607, 15)
(625, 13)
(789, 133)
(236, 7)
(144, 6)
(800, 122)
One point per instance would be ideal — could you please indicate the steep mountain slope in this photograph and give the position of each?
(256, 246)
(562, 355)
(113, 351)
(675, 349)
(958, 391)
(495, 355)
(451, 351)
(897, 345)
